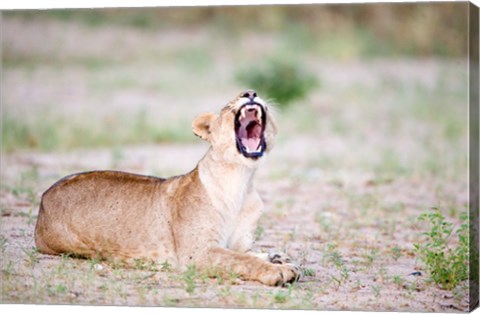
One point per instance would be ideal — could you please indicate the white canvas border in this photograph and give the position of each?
(49, 4)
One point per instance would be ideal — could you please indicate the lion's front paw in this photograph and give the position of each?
(279, 275)
(293, 273)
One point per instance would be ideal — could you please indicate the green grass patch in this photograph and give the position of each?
(445, 260)
(49, 133)
(283, 295)
(334, 257)
(189, 276)
(281, 79)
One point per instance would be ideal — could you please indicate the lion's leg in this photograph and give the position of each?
(260, 255)
(250, 267)
(272, 257)
(243, 236)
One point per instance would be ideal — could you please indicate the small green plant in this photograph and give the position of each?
(233, 276)
(24, 188)
(31, 218)
(370, 257)
(144, 264)
(241, 298)
(166, 266)
(396, 253)
(226, 291)
(447, 265)
(259, 232)
(188, 277)
(308, 272)
(334, 256)
(3, 243)
(376, 290)
(398, 280)
(8, 269)
(281, 79)
(283, 296)
(32, 255)
(61, 288)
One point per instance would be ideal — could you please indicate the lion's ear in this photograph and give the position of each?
(201, 125)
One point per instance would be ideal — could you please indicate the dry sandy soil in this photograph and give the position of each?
(380, 142)
(354, 235)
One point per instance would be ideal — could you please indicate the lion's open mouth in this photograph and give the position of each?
(249, 129)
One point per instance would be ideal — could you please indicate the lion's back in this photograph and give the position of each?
(104, 213)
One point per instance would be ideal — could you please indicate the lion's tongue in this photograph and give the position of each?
(251, 144)
(252, 139)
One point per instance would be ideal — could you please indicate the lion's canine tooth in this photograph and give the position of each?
(242, 113)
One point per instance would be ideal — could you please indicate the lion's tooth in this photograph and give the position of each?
(242, 113)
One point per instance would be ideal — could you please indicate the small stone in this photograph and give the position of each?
(98, 267)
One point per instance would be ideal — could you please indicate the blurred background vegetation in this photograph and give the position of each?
(333, 30)
(113, 77)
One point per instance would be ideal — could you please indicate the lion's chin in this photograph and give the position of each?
(250, 123)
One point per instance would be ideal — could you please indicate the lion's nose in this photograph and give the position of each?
(250, 94)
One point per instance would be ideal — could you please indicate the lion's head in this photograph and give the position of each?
(243, 131)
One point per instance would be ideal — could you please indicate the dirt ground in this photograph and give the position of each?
(380, 142)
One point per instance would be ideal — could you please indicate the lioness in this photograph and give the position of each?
(206, 217)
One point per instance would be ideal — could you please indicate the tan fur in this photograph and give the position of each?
(206, 217)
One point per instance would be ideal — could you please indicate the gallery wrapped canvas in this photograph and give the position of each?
(302, 156)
